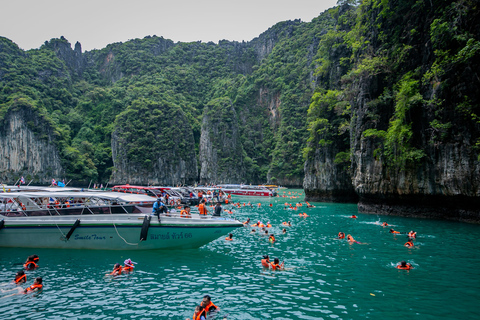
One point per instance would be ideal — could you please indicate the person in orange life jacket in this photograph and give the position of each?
(185, 213)
(128, 265)
(266, 261)
(404, 266)
(269, 225)
(35, 287)
(341, 235)
(31, 262)
(384, 224)
(393, 231)
(271, 238)
(230, 237)
(199, 314)
(409, 243)
(117, 270)
(412, 234)
(353, 217)
(246, 222)
(276, 264)
(202, 208)
(208, 304)
(20, 277)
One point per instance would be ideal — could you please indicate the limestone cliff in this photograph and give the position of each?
(221, 151)
(27, 147)
(153, 145)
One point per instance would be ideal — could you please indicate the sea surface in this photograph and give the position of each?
(325, 278)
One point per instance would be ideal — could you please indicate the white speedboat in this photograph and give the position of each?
(247, 190)
(100, 220)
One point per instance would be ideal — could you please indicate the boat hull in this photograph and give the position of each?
(171, 233)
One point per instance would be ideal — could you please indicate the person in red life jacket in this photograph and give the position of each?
(202, 208)
(341, 235)
(128, 265)
(404, 266)
(31, 262)
(271, 238)
(353, 216)
(246, 222)
(20, 277)
(384, 224)
(276, 264)
(393, 231)
(409, 243)
(266, 261)
(117, 270)
(208, 304)
(230, 237)
(271, 205)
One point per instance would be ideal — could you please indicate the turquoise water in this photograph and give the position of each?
(325, 278)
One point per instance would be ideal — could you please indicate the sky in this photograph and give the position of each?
(96, 23)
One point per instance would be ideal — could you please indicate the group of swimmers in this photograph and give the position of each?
(275, 265)
(128, 266)
(21, 278)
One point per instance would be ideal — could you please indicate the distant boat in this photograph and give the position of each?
(247, 190)
(100, 220)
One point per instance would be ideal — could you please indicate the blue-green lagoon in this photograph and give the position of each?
(324, 277)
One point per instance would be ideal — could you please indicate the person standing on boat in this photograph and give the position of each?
(159, 207)
(218, 210)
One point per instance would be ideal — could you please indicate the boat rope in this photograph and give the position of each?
(130, 244)
(63, 237)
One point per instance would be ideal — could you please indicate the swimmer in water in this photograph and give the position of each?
(31, 262)
(253, 231)
(404, 266)
(393, 231)
(353, 217)
(271, 238)
(128, 265)
(266, 261)
(230, 237)
(384, 224)
(284, 231)
(37, 286)
(117, 270)
(341, 235)
(351, 240)
(409, 243)
(246, 222)
(276, 264)
(199, 314)
(20, 277)
(412, 234)
(208, 305)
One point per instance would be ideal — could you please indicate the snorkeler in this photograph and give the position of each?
(404, 266)
(230, 237)
(128, 265)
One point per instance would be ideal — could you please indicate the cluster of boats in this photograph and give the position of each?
(120, 219)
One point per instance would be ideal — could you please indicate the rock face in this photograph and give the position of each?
(27, 147)
(153, 145)
(221, 152)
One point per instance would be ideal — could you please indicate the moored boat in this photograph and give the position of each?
(100, 220)
(247, 190)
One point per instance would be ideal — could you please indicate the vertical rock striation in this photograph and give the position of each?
(27, 147)
(221, 152)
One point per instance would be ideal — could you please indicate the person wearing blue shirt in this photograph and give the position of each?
(159, 207)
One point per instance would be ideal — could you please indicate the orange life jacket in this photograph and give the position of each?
(20, 279)
(199, 315)
(341, 235)
(407, 267)
(210, 306)
(184, 213)
(127, 269)
(265, 263)
(275, 266)
(409, 244)
(395, 231)
(269, 225)
(229, 239)
(28, 263)
(272, 238)
(202, 209)
(114, 272)
(33, 287)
